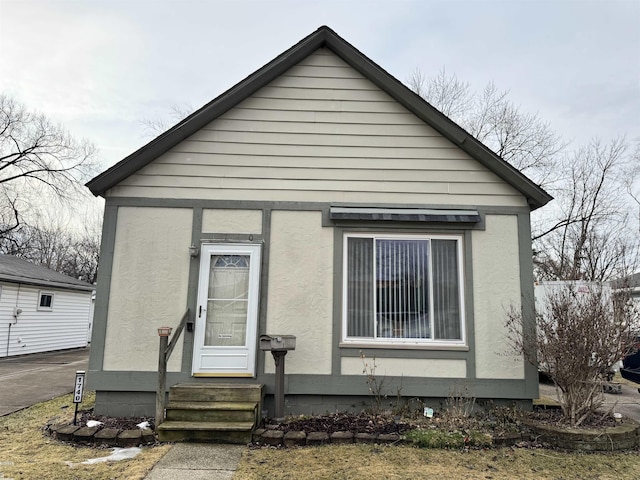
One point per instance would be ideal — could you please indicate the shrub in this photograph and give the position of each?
(581, 331)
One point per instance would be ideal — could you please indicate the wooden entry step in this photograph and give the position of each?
(224, 413)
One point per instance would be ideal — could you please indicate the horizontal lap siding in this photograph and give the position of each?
(320, 132)
(65, 326)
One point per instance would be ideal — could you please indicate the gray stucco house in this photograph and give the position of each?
(325, 200)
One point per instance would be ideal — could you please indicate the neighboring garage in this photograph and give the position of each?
(41, 310)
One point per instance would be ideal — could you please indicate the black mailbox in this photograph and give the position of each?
(277, 343)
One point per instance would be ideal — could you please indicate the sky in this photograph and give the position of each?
(100, 68)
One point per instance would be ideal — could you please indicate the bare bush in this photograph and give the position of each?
(582, 330)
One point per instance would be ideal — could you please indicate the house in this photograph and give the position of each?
(41, 310)
(319, 198)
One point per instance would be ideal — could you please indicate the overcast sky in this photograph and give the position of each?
(100, 67)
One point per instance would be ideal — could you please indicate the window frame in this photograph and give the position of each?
(41, 294)
(406, 342)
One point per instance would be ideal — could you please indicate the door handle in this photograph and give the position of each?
(199, 311)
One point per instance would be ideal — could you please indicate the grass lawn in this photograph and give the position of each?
(27, 453)
(363, 462)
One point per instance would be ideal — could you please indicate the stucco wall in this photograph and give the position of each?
(405, 367)
(148, 285)
(231, 221)
(496, 287)
(300, 289)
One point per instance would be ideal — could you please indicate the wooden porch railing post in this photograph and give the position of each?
(162, 379)
(164, 352)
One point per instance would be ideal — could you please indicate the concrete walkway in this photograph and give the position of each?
(39, 377)
(196, 461)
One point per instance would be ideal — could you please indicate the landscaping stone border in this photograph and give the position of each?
(278, 438)
(625, 436)
(106, 436)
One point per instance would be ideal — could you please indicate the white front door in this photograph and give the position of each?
(227, 311)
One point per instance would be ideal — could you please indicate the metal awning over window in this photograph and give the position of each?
(404, 214)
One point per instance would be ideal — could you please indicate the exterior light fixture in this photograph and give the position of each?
(193, 250)
(164, 331)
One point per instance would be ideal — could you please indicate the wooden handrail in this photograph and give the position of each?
(164, 352)
(176, 334)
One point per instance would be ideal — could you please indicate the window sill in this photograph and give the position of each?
(404, 346)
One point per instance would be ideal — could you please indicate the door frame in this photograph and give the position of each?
(245, 356)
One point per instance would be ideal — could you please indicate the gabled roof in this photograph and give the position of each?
(17, 270)
(323, 37)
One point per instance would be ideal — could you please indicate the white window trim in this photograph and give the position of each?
(399, 342)
(40, 294)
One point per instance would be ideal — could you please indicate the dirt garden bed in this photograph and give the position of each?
(498, 427)
(111, 432)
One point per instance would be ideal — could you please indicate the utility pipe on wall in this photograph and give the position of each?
(16, 311)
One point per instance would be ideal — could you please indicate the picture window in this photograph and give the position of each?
(403, 289)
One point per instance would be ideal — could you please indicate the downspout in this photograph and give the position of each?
(15, 315)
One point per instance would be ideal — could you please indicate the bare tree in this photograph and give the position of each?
(154, 126)
(594, 235)
(57, 244)
(591, 231)
(631, 184)
(593, 323)
(522, 139)
(36, 155)
(84, 254)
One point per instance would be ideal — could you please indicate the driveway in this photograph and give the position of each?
(627, 403)
(38, 377)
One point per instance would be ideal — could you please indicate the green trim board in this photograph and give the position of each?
(263, 303)
(327, 38)
(425, 353)
(192, 290)
(470, 310)
(143, 403)
(299, 384)
(324, 207)
(103, 287)
(527, 299)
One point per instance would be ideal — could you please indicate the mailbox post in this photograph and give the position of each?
(279, 345)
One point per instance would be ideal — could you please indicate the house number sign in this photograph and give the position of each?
(79, 388)
(77, 393)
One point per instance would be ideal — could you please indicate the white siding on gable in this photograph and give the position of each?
(64, 326)
(320, 132)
